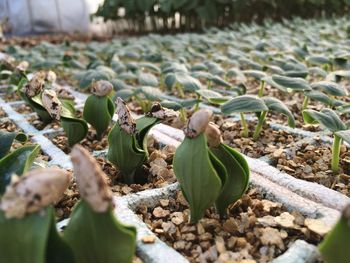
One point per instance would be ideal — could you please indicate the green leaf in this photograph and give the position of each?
(195, 172)
(75, 129)
(171, 104)
(7, 138)
(242, 104)
(330, 88)
(295, 84)
(345, 135)
(326, 117)
(237, 176)
(99, 237)
(98, 111)
(188, 82)
(212, 96)
(220, 82)
(150, 93)
(125, 94)
(335, 246)
(35, 236)
(319, 96)
(125, 153)
(37, 106)
(318, 60)
(143, 126)
(256, 74)
(147, 79)
(278, 106)
(170, 80)
(17, 162)
(91, 75)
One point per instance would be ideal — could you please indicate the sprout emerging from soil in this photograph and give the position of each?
(331, 121)
(207, 175)
(99, 108)
(261, 106)
(128, 139)
(93, 232)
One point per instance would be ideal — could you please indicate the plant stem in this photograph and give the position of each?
(196, 107)
(183, 116)
(261, 90)
(336, 153)
(259, 125)
(180, 90)
(244, 125)
(305, 103)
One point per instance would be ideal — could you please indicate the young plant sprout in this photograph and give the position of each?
(181, 106)
(207, 175)
(331, 121)
(16, 162)
(94, 234)
(335, 247)
(249, 103)
(128, 139)
(99, 108)
(49, 107)
(27, 222)
(259, 76)
(322, 91)
(182, 82)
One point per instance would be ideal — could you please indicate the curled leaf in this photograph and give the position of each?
(98, 111)
(6, 140)
(199, 180)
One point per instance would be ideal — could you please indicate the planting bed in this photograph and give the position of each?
(294, 197)
(255, 229)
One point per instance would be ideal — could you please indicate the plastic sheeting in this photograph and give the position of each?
(40, 16)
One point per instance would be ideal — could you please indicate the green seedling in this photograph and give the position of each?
(93, 232)
(249, 103)
(182, 82)
(49, 107)
(322, 91)
(128, 139)
(331, 121)
(99, 108)
(27, 222)
(207, 175)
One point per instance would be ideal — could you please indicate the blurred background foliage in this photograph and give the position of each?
(187, 15)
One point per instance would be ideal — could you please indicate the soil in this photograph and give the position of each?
(23, 109)
(269, 141)
(255, 230)
(11, 97)
(313, 163)
(8, 125)
(35, 121)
